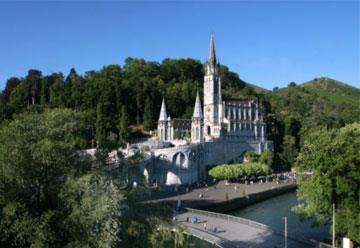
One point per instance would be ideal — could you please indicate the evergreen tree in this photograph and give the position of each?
(148, 118)
(124, 126)
(289, 152)
(11, 85)
(101, 133)
(43, 91)
(19, 98)
(75, 85)
(57, 98)
(33, 80)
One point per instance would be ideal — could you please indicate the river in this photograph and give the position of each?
(271, 211)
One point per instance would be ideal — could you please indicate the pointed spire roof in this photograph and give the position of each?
(197, 108)
(163, 114)
(212, 55)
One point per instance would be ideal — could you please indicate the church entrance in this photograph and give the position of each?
(208, 130)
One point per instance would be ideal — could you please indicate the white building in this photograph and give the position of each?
(219, 133)
(221, 117)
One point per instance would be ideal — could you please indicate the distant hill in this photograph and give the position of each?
(319, 101)
(258, 89)
(335, 91)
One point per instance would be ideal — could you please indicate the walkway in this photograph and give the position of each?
(215, 194)
(234, 232)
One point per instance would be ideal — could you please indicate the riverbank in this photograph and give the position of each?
(224, 197)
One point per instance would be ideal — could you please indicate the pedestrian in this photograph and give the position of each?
(187, 219)
(215, 229)
(205, 226)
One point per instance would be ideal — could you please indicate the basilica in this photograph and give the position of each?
(220, 132)
(218, 118)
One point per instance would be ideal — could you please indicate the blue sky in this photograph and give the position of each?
(267, 43)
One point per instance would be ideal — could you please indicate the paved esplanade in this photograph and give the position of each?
(234, 232)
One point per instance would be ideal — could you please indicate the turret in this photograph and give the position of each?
(162, 123)
(197, 109)
(163, 114)
(197, 122)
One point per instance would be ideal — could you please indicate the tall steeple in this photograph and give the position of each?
(197, 109)
(163, 114)
(212, 55)
(212, 66)
(212, 95)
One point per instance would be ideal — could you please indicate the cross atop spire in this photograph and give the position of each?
(212, 55)
(163, 114)
(197, 109)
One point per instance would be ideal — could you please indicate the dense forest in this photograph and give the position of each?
(52, 197)
(122, 103)
(138, 87)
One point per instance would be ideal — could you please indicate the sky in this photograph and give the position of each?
(268, 43)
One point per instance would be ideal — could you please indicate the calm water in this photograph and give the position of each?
(271, 211)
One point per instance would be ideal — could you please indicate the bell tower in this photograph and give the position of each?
(212, 95)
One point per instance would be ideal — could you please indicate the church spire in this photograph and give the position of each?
(163, 114)
(212, 55)
(197, 109)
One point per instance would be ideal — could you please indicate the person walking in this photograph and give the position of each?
(205, 226)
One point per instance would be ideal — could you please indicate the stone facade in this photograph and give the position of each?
(219, 133)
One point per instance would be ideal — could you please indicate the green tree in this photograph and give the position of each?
(32, 81)
(37, 153)
(124, 134)
(148, 115)
(289, 151)
(10, 86)
(332, 156)
(19, 98)
(76, 88)
(266, 158)
(93, 207)
(251, 156)
(239, 171)
(101, 132)
(57, 97)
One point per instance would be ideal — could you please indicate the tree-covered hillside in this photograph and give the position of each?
(322, 101)
(46, 119)
(301, 108)
(116, 98)
(138, 87)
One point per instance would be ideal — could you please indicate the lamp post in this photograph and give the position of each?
(285, 232)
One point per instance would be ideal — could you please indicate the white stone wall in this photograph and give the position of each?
(187, 164)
